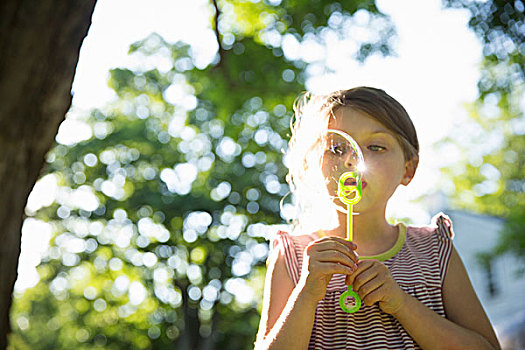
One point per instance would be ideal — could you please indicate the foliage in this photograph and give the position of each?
(490, 178)
(161, 217)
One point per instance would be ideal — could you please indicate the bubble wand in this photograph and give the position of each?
(349, 191)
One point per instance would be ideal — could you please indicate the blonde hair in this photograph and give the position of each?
(306, 146)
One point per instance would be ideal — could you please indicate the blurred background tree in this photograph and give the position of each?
(489, 176)
(160, 224)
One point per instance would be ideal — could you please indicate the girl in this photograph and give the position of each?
(414, 288)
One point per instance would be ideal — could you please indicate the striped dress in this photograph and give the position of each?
(418, 262)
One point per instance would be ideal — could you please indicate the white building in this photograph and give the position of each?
(500, 288)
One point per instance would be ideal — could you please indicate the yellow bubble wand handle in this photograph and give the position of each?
(350, 195)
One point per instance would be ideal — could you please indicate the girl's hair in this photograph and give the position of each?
(306, 145)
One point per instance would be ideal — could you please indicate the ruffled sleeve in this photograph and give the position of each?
(283, 241)
(445, 235)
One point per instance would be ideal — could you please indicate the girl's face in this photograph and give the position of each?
(385, 164)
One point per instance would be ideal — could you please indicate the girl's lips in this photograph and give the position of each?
(352, 182)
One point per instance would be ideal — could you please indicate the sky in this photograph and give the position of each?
(433, 74)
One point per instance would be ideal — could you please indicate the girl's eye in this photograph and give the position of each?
(376, 148)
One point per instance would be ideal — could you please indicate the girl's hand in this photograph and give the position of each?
(324, 257)
(374, 284)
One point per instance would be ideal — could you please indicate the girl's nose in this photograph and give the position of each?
(351, 161)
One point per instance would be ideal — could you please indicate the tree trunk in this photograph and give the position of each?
(209, 342)
(189, 338)
(39, 48)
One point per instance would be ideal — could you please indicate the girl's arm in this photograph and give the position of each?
(288, 312)
(466, 326)
(296, 310)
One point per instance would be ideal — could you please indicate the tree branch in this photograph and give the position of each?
(216, 30)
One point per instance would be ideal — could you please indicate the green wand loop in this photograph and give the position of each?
(349, 191)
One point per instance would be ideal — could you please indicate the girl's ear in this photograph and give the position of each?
(410, 170)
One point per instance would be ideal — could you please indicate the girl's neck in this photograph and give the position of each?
(371, 232)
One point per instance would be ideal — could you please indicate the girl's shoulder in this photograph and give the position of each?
(286, 239)
(289, 247)
(440, 227)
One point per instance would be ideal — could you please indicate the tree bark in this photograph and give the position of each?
(189, 338)
(39, 47)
